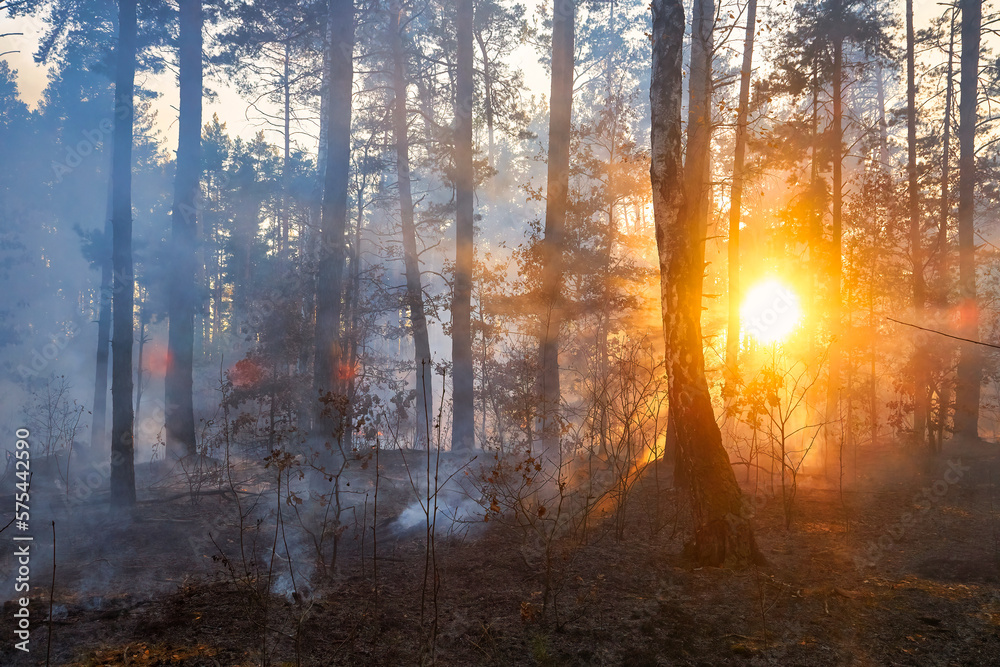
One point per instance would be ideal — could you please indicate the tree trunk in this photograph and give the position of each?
(560, 118)
(942, 239)
(883, 126)
(970, 364)
(324, 124)
(178, 384)
(836, 326)
(122, 443)
(921, 397)
(722, 534)
(245, 226)
(487, 97)
(424, 407)
(698, 152)
(352, 320)
(815, 233)
(333, 223)
(876, 262)
(286, 157)
(99, 428)
(139, 372)
(463, 424)
(736, 195)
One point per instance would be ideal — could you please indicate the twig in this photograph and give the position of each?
(946, 335)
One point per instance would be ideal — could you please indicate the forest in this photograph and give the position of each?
(499, 332)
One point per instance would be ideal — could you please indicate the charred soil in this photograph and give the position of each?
(899, 568)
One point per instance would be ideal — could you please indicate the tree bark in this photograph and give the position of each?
(836, 326)
(463, 411)
(352, 317)
(921, 397)
(487, 97)
(424, 407)
(698, 152)
(286, 153)
(722, 534)
(560, 118)
(970, 362)
(883, 126)
(815, 233)
(736, 195)
(122, 442)
(178, 384)
(99, 428)
(942, 239)
(943, 255)
(333, 222)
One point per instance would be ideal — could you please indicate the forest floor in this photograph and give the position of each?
(870, 576)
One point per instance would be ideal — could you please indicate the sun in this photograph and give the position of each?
(770, 311)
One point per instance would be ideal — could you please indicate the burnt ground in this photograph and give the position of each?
(873, 576)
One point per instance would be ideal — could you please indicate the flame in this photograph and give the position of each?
(157, 359)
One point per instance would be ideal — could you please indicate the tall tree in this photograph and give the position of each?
(698, 154)
(557, 192)
(122, 442)
(698, 150)
(333, 222)
(736, 192)
(275, 50)
(721, 533)
(941, 246)
(179, 412)
(499, 28)
(99, 429)
(463, 424)
(970, 362)
(838, 35)
(820, 33)
(949, 95)
(424, 407)
(921, 396)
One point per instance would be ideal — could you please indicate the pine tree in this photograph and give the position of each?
(557, 191)
(179, 413)
(423, 363)
(463, 425)
(122, 441)
(333, 225)
(970, 371)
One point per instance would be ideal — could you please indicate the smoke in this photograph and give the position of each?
(454, 511)
(442, 495)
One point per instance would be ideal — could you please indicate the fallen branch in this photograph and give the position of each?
(188, 494)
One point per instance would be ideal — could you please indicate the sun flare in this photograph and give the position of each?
(770, 311)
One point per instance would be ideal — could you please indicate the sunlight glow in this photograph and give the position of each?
(770, 311)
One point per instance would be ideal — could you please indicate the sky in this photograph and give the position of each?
(32, 79)
(229, 105)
